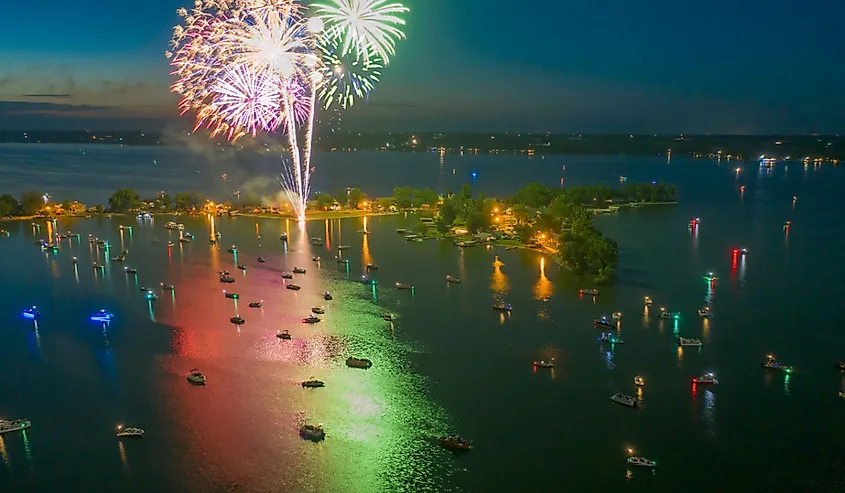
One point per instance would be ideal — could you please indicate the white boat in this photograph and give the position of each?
(545, 364)
(689, 342)
(647, 300)
(8, 426)
(625, 400)
(641, 462)
(705, 312)
(318, 310)
(617, 316)
(343, 247)
(404, 286)
(284, 335)
(452, 279)
(639, 381)
(666, 314)
(707, 378)
(129, 432)
(196, 377)
(314, 433)
(591, 292)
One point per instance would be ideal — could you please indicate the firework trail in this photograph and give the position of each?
(346, 78)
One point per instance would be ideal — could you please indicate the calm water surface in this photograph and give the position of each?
(449, 363)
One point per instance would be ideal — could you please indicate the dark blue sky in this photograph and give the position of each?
(741, 66)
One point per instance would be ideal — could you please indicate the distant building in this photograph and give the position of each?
(76, 208)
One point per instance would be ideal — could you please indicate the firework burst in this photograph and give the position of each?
(346, 78)
(364, 27)
(249, 66)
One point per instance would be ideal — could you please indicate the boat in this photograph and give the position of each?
(227, 279)
(241, 267)
(293, 287)
(502, 307)
(639, 381)
(119, 258)
(707, 378)
(283, 236)
(705, 312)
(327, 296)
(361, 363)
(591, 292)
(130, 270)
(224, 273)
(169, 244)
(609, 337)
(545, 364)
(97, 265)
(647, 300)
(625, 400)
(840, 365)
(102, 316)
(387, 317)
(665, 314)
(151, 296)
(284, 335)
(314, 433)
(317, 310)
(237, 320)
(315, 259)
(710, 277)
(231, 296)
(129, 432)
(232, 250)
(287, 275)
(372, 267)
(75, 260)
(313, 383)
(617, 316)
(603, 322)
(641, 462)
(689, 342)
(316, 241)
(311, 319)
(167, 287)
(8, 426)
(842, 394)
(297, 270)
(31, 313)
(455, 443)
(406, 287)
(774, 365)
(368, 282)
(170, 225)
(343, 247)
(261, 260)
(401, 231)
(452, 279)
(196, 377)
(256, 304)
(185, 239)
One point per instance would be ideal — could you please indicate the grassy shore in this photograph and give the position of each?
(323, 215)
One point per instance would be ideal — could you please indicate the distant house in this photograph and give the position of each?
(76, 208)
(480, 237)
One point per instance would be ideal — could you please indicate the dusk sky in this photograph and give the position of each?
(722, 66)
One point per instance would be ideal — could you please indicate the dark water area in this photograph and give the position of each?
(449, 363)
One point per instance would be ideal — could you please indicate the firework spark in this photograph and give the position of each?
(247, 100)
(347, 78)
(365, 26)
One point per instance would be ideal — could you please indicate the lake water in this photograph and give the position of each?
(449, 363)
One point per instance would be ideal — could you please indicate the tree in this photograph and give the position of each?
(163, 202)
(31, 202)
(465, 193)
(427, 196)
(66, 206)
(8, 205)
(342, 196)
(100, 208)
(355, 197)
(535, 195)
(124, 200)
(446, 215)
(385, 203)
(402, 197)
(188, 200)
(323, 200)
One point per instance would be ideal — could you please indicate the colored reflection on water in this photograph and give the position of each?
(543, 289)
(4, 454)
(708, 413)
(498, 281)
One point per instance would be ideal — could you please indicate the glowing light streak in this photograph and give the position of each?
(364, 26)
